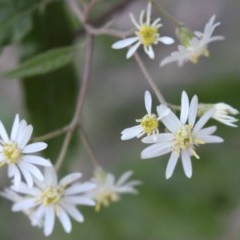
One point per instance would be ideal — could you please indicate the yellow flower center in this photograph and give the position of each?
(196, 54)
(184, 139)
(149, 123)
(148, 35)
(11, 152)
(105, 197)
(51, 195)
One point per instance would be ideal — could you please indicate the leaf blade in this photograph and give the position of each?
(44, 62)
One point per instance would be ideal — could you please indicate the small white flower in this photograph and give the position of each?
(184, 136)
(221, 113)
(196, 46)
(148, 124)
(19, 157)
(49, 198)
(147, 34)
(108, 190)
(15, 197)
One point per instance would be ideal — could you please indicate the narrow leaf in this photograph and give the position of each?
(44, 62)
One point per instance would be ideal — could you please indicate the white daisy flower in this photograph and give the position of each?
(148, 124)
(196, 46)
(222, 113)
(15, 198)
(108, 190)
(184, 135)
(19, 157)
(147, 34)
(49, 198)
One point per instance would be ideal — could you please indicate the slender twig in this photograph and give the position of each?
(166, 14)
(88, 146)
(81, 97)
(149, 79)
(92, 26)
(51, 135)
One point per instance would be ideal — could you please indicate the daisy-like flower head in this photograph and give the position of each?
(222, 113)
(147, 34)
(51, 198)
(196, 46)
(108, 190)
(147, 125)
(19, 157)
(184, 135)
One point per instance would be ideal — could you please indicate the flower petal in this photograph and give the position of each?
(34, 147)
(36, 160)
(131, 132)
(3, 133)
(49, 220)
(124, 43)
(15, 128)
(171, 164)
(70, 178)
(73, 212)
(184, 107)
(132, 50)
(166, 40)
(187, 164)
(79, 188)
(193, 110)
(65, 221)
(148, 102)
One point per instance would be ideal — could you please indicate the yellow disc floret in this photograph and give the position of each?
(11, 152)
(148, 35)
(51, 195)
(149, 123)
(105, 197)
(184, 139)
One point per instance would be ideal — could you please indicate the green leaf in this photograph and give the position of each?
(44, 62)
(15, 19)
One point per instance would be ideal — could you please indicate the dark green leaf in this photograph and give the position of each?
(44, 62)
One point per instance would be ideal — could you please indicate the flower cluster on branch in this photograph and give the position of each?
(35, 189)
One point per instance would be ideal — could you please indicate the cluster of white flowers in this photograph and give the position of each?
(193, 44)
(41, 197)
(35, 189)
(183, 135)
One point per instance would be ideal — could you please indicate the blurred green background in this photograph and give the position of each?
(205, 207)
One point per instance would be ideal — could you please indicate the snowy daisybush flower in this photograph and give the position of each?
(51, 198)
(15, 197)
(147, 34)
(108, 190)
(193, 45)
(222, 113)
(19, 157)
(147, 125)
(184, 135)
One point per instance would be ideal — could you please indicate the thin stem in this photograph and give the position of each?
(166, 14)
(88, 146)
(51, 135)
(149, 79)
(91, 27)
(80, 101)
